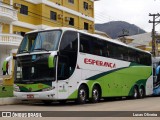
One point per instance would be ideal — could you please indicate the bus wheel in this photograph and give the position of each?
(141, 92)
(95, 94)
(135, 93)
(82, 95)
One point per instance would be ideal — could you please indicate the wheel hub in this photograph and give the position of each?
(95, 94)
(82, 94)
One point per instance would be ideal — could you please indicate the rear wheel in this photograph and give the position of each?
(141, 92)
(135, 93)
(95, 94)
(82, 95)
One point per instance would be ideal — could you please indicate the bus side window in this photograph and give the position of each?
(105, 51)
(81, 48)
(84, 44)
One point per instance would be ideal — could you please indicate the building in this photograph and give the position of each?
(141, 41)
(20, 16)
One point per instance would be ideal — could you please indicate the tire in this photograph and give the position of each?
(82, 95)
(141, 92)
(135, 93)
(96, 95)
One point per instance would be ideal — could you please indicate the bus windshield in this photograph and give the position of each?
(40, 41)
(33, 68)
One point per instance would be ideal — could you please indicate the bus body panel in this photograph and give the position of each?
(115, 76)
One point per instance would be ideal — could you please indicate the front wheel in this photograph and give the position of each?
(82, 95)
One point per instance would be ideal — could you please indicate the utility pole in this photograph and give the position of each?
(154, 44)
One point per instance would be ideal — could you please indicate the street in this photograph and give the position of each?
(147, 104)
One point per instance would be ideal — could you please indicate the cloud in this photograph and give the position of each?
(132, 11)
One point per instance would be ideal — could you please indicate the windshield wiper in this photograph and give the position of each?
(42, 49)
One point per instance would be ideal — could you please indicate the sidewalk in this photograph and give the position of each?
(9, 101)
(6, 100)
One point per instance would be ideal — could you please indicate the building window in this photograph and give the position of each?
(85, 26)
(71, 1)
(71, 21)
(53, 15)
(85, 5)
(24, 10)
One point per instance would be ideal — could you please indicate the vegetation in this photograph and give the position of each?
(6, 91)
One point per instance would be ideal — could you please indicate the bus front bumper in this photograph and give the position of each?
(48, 95)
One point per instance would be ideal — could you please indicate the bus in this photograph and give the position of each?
(67, 64)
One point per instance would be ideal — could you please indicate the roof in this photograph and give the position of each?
(140, 39)
(102, 33)
(94, 35)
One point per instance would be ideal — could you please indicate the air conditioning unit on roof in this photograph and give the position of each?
(16, 5)
(90, 7)
(91, 26)
(67, 18)
(60, 16)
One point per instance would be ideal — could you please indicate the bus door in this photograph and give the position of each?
(62, 77)
(67, 62)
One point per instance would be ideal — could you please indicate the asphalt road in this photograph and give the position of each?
(148, 105)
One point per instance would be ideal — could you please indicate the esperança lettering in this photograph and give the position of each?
(99, 63)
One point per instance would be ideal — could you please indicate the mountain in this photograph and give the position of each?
(119, 28)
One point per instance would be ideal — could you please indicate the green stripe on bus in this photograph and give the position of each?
(32, 87)
(119, 82)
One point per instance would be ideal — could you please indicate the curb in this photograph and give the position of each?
(9, 101)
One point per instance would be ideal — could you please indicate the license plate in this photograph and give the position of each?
(30, 96)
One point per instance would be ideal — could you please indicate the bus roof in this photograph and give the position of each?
(94, 35)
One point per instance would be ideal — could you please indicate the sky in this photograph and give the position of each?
(132, 11)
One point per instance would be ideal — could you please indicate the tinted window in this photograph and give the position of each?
(98, 46)
(69, 41)
(68, 55)
(95, 46)
(85, 41)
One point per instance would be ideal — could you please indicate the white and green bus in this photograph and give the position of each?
(68, 64)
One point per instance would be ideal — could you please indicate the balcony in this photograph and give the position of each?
(10, 39)
(7, 14)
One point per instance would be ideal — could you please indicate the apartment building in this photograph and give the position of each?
(20, 16)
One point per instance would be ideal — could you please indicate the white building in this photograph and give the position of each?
(8, 41)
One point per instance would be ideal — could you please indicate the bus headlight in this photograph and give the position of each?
(16, 88)
(48, 89)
